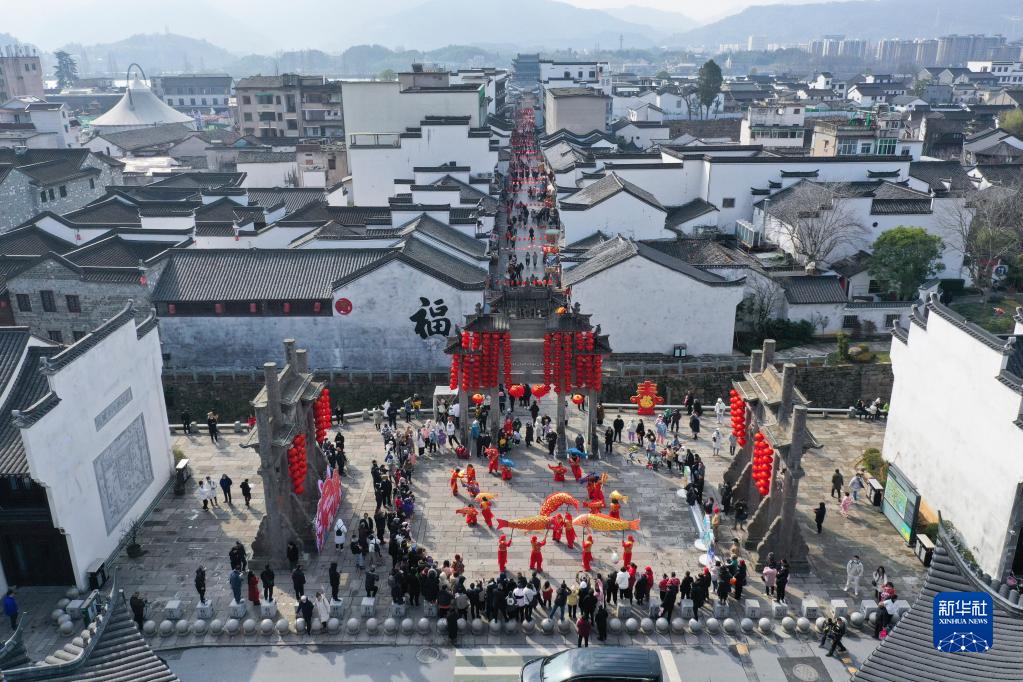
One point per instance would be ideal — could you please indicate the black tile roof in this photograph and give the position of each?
(688, 211)
(810, 289)
(604, 189)
(294, 198)
(115, 251)
(852, 265)
(199, 180)
(449, 236)
(468, 194)
(908, 653)
(13, 341)
(320, 212)
(703, 252)
(111, 211)
(31, 241)
(260, 274)
(29, 387)
(619, 249)
(140, 138)
(936, 173)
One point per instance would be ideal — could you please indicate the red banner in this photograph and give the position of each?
(326, 508)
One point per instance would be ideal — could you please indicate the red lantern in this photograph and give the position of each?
(578, 398)
(478, 398)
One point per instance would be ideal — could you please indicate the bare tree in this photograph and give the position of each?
(761, 302)
(986, 228)
(817, 220)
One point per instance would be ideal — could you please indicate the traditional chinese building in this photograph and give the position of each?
(365, 308)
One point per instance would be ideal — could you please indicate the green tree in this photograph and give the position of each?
(906, 257)
(708, 84)
(920, 87)
(662, 75)
(387, 75)
(1012, 121)
(66, 70)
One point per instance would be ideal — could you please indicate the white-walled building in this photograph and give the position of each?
(377, 161)
(578, 110)
(866, 210)
(639, 133)
(694, 308)
(937, 356)
(614, 206)
(38, 124)
(86, 447)
(220, 308)
(587, 74)
(777, 125)
(387, 107)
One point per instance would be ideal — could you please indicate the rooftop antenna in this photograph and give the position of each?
(621, 41)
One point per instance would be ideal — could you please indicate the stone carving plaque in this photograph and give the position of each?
(108, 413)
(123, 472)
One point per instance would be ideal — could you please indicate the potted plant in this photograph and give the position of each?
(131, 533)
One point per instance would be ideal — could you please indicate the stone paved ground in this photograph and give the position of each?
(179, 535)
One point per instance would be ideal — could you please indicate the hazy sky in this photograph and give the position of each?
(247, 25)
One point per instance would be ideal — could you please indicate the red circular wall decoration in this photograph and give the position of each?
(343, 306)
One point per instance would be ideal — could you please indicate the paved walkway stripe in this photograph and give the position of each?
(489, 672)
(508, 651)
(668, 666)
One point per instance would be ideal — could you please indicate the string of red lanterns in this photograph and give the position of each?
(738, 409)
(321, 410)
(763, 463)
(565, 353)
(297, 463)
(475, 370)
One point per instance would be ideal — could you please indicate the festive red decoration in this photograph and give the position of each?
(646, 398)
(517, 391)
(578, 399)
(478, 398)
(539, 390)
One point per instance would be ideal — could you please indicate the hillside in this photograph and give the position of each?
(870, 19)
(156, 53)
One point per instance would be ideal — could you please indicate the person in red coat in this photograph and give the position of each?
(535, 555)
(470, 516)
(503, 543)
(506, 473)
(557, 524)
(559, 472)
(455, 475)
(488, 515)
(577, 467)
(493, 455)
(627, 550)
(569, 531)
(587, 552)
(253, 583)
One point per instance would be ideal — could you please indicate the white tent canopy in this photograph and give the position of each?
(139, 108)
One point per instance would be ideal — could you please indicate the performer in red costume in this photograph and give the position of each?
(470, 475)
(455, 475)
(488, 516)
(587, 552)
(503, 543)
(470, 515)
(535, 555)
(627, 550)
(576, 464)
(557, 524)
(559, 472)
(493, 455)
(569, 531)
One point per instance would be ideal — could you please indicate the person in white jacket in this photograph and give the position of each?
(322, 608)
(853, 573)
(340, 535)
(719, 410)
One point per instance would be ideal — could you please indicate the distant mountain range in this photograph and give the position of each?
(155, 52)
(660, 21)
(869, 19)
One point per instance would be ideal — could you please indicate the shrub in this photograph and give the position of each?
(179, 454)
(863, 357)
(873, 462)
(843, 346)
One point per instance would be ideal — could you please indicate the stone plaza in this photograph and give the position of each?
(179, 536)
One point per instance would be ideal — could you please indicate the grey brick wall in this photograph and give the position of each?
(20, 200)
(99, 300)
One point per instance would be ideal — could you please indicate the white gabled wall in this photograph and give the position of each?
(947, 403)
(674, 308)
(621, 214)
(62, 446)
